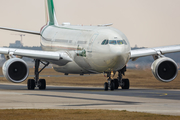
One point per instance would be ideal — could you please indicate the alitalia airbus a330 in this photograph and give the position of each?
(83, 50)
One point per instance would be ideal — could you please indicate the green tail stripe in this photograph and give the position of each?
(51, 11)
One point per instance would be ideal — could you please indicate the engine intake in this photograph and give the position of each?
(15, 70)
(164, 69)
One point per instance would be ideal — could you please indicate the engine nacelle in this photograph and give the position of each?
(15, 70)
(164, 69)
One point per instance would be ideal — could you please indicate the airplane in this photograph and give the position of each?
(1, 58)
(76, 49)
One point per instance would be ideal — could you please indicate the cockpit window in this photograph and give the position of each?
(119, 42)
(105, 42)
(114, 42)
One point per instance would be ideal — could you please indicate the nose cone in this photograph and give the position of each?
(117, 50)
(120, 56)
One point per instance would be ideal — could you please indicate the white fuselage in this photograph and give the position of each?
(93, 49)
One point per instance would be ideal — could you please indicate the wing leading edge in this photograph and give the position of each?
(154, 51)
(37, 54)
(20, 30)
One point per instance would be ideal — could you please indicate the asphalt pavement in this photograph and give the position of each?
(16, 96)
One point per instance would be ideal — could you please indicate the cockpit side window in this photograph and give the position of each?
(125, 42)
(105, 42)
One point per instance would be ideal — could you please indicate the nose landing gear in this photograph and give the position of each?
(111, 84)
(115, 83)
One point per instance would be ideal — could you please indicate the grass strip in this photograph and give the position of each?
(58, 114)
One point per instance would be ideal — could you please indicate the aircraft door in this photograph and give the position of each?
(53, 40)
(91, 42)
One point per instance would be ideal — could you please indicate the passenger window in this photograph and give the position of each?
(112, 42)
(81, 42)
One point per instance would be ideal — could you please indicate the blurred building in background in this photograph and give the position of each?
(17, 44)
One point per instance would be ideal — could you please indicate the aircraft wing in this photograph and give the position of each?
(20, 30)
(37, 54)
(154, 51)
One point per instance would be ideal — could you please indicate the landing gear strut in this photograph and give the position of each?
(36, 82)
(124, 83)
(115, 83)
(111, 83)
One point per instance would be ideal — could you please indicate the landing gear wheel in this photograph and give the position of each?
(112, 85)
(116, 83)
(42, 84)
(125, 84)
(105, 86)
(31, 84)
(36, 82)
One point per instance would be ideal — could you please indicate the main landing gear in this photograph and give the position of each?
(113, 84)
(36, 82)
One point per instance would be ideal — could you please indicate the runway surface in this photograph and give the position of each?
(13, 96)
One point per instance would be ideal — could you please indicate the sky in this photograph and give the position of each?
(146, 23)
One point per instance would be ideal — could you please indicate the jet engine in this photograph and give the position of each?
(15, 70)
(164, 69)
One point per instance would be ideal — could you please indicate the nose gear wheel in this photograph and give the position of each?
(113, 84)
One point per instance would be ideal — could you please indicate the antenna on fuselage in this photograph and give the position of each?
(105, 24)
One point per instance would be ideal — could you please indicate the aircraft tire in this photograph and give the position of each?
(42, 83)
(116, 84)
(31, 84)
(112, 85)
(126, 83)
(105, 86)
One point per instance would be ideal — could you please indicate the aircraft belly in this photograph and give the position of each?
(70, 68)
(82, 62)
